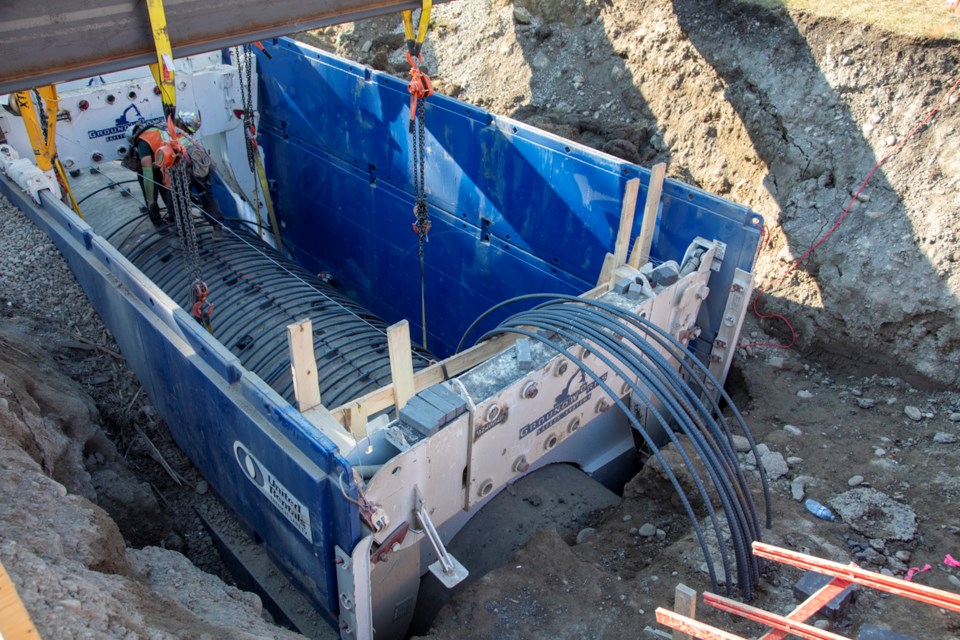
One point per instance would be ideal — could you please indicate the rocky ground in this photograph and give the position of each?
(786, 113)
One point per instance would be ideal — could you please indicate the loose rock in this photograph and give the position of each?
(875, 514)
(741, 444)
(774, 464)
(799, 486)
(522, 16)
(584, 534)
(913, 413)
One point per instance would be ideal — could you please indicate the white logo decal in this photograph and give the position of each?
(295, 511)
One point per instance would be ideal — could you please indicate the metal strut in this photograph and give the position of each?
(447, 569)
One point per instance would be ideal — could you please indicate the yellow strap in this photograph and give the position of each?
(424, 20)
(65, 184)
(407, 15)
(31, 121)
(414, 41)
(162, 70)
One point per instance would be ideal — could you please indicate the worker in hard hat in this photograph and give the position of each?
(145, 141)
(200, 166)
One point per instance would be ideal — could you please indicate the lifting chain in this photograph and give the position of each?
(422, 226)
(180, 189)
(244, 59)
(42, 112)
(175, 172)
(420, 87)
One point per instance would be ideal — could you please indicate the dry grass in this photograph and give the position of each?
(919, 18)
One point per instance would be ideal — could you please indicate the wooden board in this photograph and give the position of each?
(606, 271)
(641, 248)
(684, 603)
(303, 364)
(401, 362)
(15, 623)
(627, 211)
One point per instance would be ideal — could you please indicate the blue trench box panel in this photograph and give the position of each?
(514, 209)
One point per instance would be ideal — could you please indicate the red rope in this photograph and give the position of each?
(796, 263)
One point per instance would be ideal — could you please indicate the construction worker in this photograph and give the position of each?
(145, 140)
(200, 165)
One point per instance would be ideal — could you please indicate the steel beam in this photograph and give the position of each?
(50, 41)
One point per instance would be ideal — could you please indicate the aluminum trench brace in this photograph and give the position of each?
(447, 569)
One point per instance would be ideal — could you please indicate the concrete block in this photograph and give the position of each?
(665, 275)
(871, 632)
(811, 582)
(422, 416)
(621, 285)
(445, 400)
(524, 358)
(635, 291)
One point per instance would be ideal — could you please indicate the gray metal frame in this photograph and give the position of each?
(51, 41)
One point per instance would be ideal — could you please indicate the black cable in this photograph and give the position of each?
(670, 393)
(720, 431)
(717, 438)
(556, 322)
(642, 322)
(711, 570)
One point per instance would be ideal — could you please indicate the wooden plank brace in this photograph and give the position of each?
(303, 364)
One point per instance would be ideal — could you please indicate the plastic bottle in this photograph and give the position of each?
(819, 510)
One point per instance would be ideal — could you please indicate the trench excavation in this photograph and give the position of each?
(258, 293)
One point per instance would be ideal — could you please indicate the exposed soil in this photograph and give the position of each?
(785, 113)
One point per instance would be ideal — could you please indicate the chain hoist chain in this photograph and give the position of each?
(419, 175)
(244, 55)
(244, 59)
(42, 112)
(422, 211)
(180, 186)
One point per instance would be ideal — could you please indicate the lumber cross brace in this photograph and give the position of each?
(795, 622)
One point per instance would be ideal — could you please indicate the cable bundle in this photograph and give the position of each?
(633, 347)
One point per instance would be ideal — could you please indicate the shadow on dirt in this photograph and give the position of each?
(617, 121)
(794, 86)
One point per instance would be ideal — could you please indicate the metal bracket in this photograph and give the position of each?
(354, 591)
(447, 569)
(26, 174)
(738, 302)
(395, 539)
